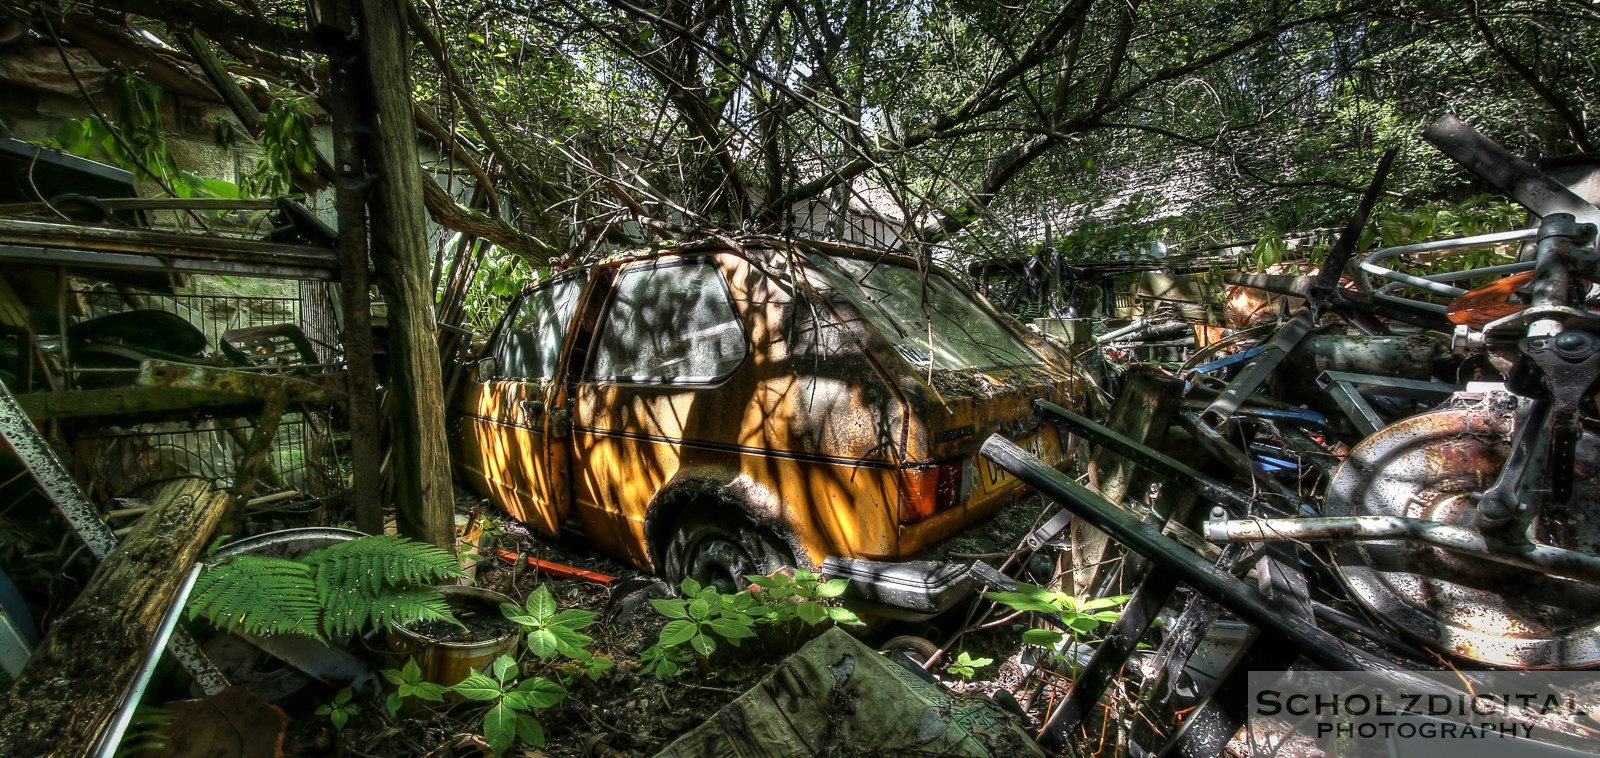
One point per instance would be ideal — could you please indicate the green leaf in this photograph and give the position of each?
(574, 619)
(845, 616)
(393, 702)
(703, 644)
(570, 642)
(478, 687)
(544, 643)
(672, 609)
(812, 613)
(1023, 601)
(833, 588)
(677, 632)
(1083, 623)
(1104, 602)
(500, 727)
(503, 666)
(1042, 637)
(541, 605)
(339, 718)
(543, 693)
(690, 587)
(730, 629)
(530, 730)
(699, 609)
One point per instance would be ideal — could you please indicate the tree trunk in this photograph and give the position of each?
(423, 497)
(70, 689)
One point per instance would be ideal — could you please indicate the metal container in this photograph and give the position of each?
(447, 663)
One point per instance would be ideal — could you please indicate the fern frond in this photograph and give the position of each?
(349, 612)
(371, 562)
(258, 595)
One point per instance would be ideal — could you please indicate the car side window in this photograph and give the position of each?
(670, 322)
(531, 347)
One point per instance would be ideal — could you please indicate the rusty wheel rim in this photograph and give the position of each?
(1435, 466)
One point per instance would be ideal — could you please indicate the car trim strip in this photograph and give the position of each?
(761, 451)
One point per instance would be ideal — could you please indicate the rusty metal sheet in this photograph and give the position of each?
(1435, 467)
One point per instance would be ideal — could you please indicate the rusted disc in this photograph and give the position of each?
(1436, 466)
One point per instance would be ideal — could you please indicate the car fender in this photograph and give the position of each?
(733, 493)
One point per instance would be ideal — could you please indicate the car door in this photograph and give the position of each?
(520, 445)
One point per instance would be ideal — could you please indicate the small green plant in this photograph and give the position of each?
(965, 665)
(801, 594)
(408, 682)
(549, 630)
(1079, 615)
(341, 708)
(703, 612)
(664, 662)
(703, 616)
(512, 703)
(341, 589)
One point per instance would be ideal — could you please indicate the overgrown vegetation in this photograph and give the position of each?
(346, 588)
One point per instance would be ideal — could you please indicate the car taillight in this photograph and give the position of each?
(929, 490)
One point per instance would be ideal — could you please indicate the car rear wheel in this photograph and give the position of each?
(721, 555)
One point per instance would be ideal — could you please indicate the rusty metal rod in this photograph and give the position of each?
(1245, 601)
(1206, 487)
(1532, 556)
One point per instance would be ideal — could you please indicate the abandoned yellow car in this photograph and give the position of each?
(716, 411)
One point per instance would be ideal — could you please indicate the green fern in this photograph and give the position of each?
(343, 589)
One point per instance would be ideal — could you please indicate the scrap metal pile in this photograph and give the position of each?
(1399, 476)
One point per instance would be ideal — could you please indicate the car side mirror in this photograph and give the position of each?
(484, 368)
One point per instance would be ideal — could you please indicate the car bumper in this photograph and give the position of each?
(910, 590)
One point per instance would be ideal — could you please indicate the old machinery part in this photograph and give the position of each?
(1462, 541)
(1529, 186)
(1570, 362)
(1435, 467)
(1248, 603)
(1436, 283)
(1342, 386)
(1512, 492)
(1174, 470)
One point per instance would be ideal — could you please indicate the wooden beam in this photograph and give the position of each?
(423, 496)
(1143, 411)
(121, 402)
(69, 691)
(351, 183)
(80, 244)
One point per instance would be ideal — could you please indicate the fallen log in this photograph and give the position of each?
(70, 690)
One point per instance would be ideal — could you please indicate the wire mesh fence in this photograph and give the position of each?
(303, 458)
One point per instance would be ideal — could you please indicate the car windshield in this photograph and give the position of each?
(889, 294)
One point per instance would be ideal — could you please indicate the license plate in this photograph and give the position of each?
(991, 477)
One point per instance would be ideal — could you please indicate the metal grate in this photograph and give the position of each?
(125, 458)
(118, 458)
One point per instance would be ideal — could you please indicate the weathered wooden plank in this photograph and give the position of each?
(69, 691)
(423, 497)
(1143, 411)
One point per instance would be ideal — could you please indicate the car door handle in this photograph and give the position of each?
(554, 422)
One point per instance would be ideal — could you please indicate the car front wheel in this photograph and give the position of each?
(721, 555)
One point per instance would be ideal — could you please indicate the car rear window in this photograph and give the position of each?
(670, 322)
(889, 294)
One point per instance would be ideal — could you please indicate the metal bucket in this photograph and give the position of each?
(447, 663)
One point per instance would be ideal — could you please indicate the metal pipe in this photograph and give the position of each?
(1129, 329)
(1316, 645)
(1207, 488)
(1525, 555)
(112, 736)
(1370, 263)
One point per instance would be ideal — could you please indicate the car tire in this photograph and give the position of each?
(918, 649)
(720, 554)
